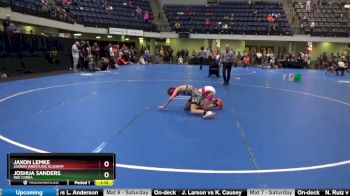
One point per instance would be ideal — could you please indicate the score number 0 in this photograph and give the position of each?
(106, 165)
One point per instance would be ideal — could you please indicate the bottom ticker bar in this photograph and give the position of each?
(169, 192)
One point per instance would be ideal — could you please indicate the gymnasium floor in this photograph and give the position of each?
(272, 133)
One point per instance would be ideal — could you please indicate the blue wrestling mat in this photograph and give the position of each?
(272, 133)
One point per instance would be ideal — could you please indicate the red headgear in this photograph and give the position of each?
(219, 103)
(171, 91)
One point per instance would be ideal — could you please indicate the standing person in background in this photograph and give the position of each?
(228, 59)
(211, 55)
(111, 55)
(340, 67)
(124, 53)
(161, 55)
(117, 52)
(186, 56)
(214, 68)
(202, 55)
(259, 58)
(252, 57)
(88, 47)
(84, 55)
(239, 58)
(264, 58)
(75, 55)
(194, 54)
(157, 55)
(81, 56)
(178, 53)
(166, 56)
(132, 54)
(235, 59)
(87, 53)
(182, 52)
(170, 51)
(95, 51)
(106, 50)
(319, 62)
(142, 50)
(6, 23)
(208, 52)
(272, 63)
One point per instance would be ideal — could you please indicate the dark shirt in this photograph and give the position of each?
(95, 50)
(6, 24)
(147, 59)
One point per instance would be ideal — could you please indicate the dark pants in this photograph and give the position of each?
(201, 61)
(104, 66)
(259, 61)
(85, 64)
(112, 62)
(340, 69)
(226, 72)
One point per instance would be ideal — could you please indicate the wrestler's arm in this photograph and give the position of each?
(171, 98)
